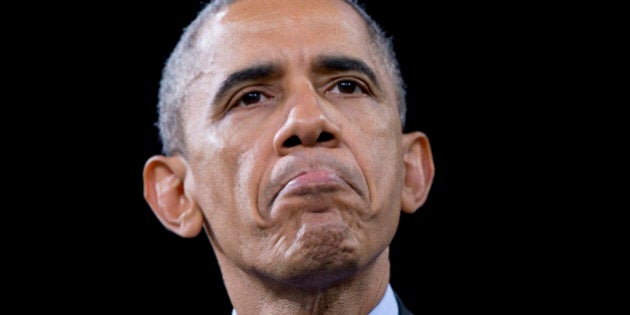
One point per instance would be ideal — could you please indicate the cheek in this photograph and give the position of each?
(221, 171)
(214, 151)
(383, 168)
(214, 180)
(228, 165)
(375, 140)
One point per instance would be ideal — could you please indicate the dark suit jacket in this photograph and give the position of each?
(402, 310)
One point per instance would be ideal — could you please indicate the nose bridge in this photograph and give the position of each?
(307, 121)
(303, 103)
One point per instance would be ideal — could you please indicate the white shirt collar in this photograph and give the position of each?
(387, 305)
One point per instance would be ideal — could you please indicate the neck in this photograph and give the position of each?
(353, 293)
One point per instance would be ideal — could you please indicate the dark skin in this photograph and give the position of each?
(296, 166)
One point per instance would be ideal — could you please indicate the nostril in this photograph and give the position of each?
(325, 136)
(292, 141)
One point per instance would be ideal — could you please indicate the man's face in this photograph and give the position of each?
(293, 139)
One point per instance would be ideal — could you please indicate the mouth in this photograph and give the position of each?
(312, 183)
(311, 186)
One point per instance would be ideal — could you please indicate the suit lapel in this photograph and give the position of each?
(402, 309)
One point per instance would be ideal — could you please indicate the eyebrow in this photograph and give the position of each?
(344, 64)
(268, 70)
(256, 72)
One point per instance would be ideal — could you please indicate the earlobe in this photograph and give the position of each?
(164, 191)
(419, 171)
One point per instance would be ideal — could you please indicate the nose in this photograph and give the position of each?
(306, 124)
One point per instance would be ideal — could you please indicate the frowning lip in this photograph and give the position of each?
(318, 173)
(312, 181)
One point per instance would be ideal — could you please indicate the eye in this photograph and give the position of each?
(348, 87)
(251, 97)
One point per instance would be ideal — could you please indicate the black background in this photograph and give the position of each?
(486, 84)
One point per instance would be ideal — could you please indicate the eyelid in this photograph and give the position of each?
(365, 87)
(237, 97)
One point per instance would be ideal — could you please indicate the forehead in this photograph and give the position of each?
(281, 29)
(273, 13)
(289, 11)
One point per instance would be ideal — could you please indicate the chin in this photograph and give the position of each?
(321, 255)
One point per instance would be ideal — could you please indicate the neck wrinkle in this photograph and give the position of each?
(358, 293)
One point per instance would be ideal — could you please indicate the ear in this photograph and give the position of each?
(164, 180)
(418, 171)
